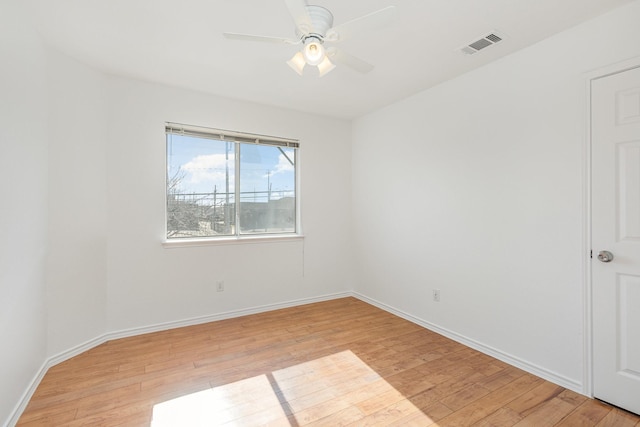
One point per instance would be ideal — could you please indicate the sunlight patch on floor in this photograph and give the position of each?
(219, 405)
(335, 388)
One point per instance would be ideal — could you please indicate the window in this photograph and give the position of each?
(222, 183)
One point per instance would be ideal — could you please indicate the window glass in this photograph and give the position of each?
(216, 187)
(267, 189)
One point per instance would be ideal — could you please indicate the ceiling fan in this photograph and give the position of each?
(313, 28)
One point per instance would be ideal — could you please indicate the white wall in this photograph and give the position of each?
(149, 284)
(77, 256)
(107, 270)
(23, 209)
(475, 188)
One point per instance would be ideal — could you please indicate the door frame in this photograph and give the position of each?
(589, 77)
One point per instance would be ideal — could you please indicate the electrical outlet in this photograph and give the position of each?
(436, 295)
(220, 285)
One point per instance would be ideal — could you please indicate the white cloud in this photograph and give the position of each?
(208, 169)
(283, 164)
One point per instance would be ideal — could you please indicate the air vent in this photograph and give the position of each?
(481, 43)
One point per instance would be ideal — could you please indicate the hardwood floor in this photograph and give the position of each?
(340, 362)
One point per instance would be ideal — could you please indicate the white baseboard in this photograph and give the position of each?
(26, 396)
(500, 355)
(222, 316)
(48, 363)
(68, 354)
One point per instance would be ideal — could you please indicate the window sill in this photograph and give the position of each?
(185, 243)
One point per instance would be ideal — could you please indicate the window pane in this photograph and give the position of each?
(267, 189)
(200, 187)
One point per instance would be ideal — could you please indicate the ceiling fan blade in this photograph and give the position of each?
(349, 60)
(252, 38)
(371, 21)
(300, 15)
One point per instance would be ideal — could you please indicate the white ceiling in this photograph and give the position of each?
(180, 43)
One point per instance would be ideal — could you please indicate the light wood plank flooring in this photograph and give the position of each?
(340, 362)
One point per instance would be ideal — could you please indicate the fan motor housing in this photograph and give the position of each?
(321, 21)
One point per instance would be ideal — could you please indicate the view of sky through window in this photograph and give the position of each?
(204, 165)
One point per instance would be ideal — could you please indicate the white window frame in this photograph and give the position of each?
(237, 138)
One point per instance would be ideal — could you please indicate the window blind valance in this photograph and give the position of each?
(226, 135)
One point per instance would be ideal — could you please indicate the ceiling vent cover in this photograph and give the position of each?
(482, 42)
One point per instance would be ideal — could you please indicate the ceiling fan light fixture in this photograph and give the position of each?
(325, 66)
(297, 63)
(313, 27)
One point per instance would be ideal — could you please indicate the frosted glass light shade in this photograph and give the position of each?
(325, 66)
(297, 63)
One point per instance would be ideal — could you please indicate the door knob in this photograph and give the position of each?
(605, 256)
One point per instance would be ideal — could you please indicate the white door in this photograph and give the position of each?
(615, 215)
